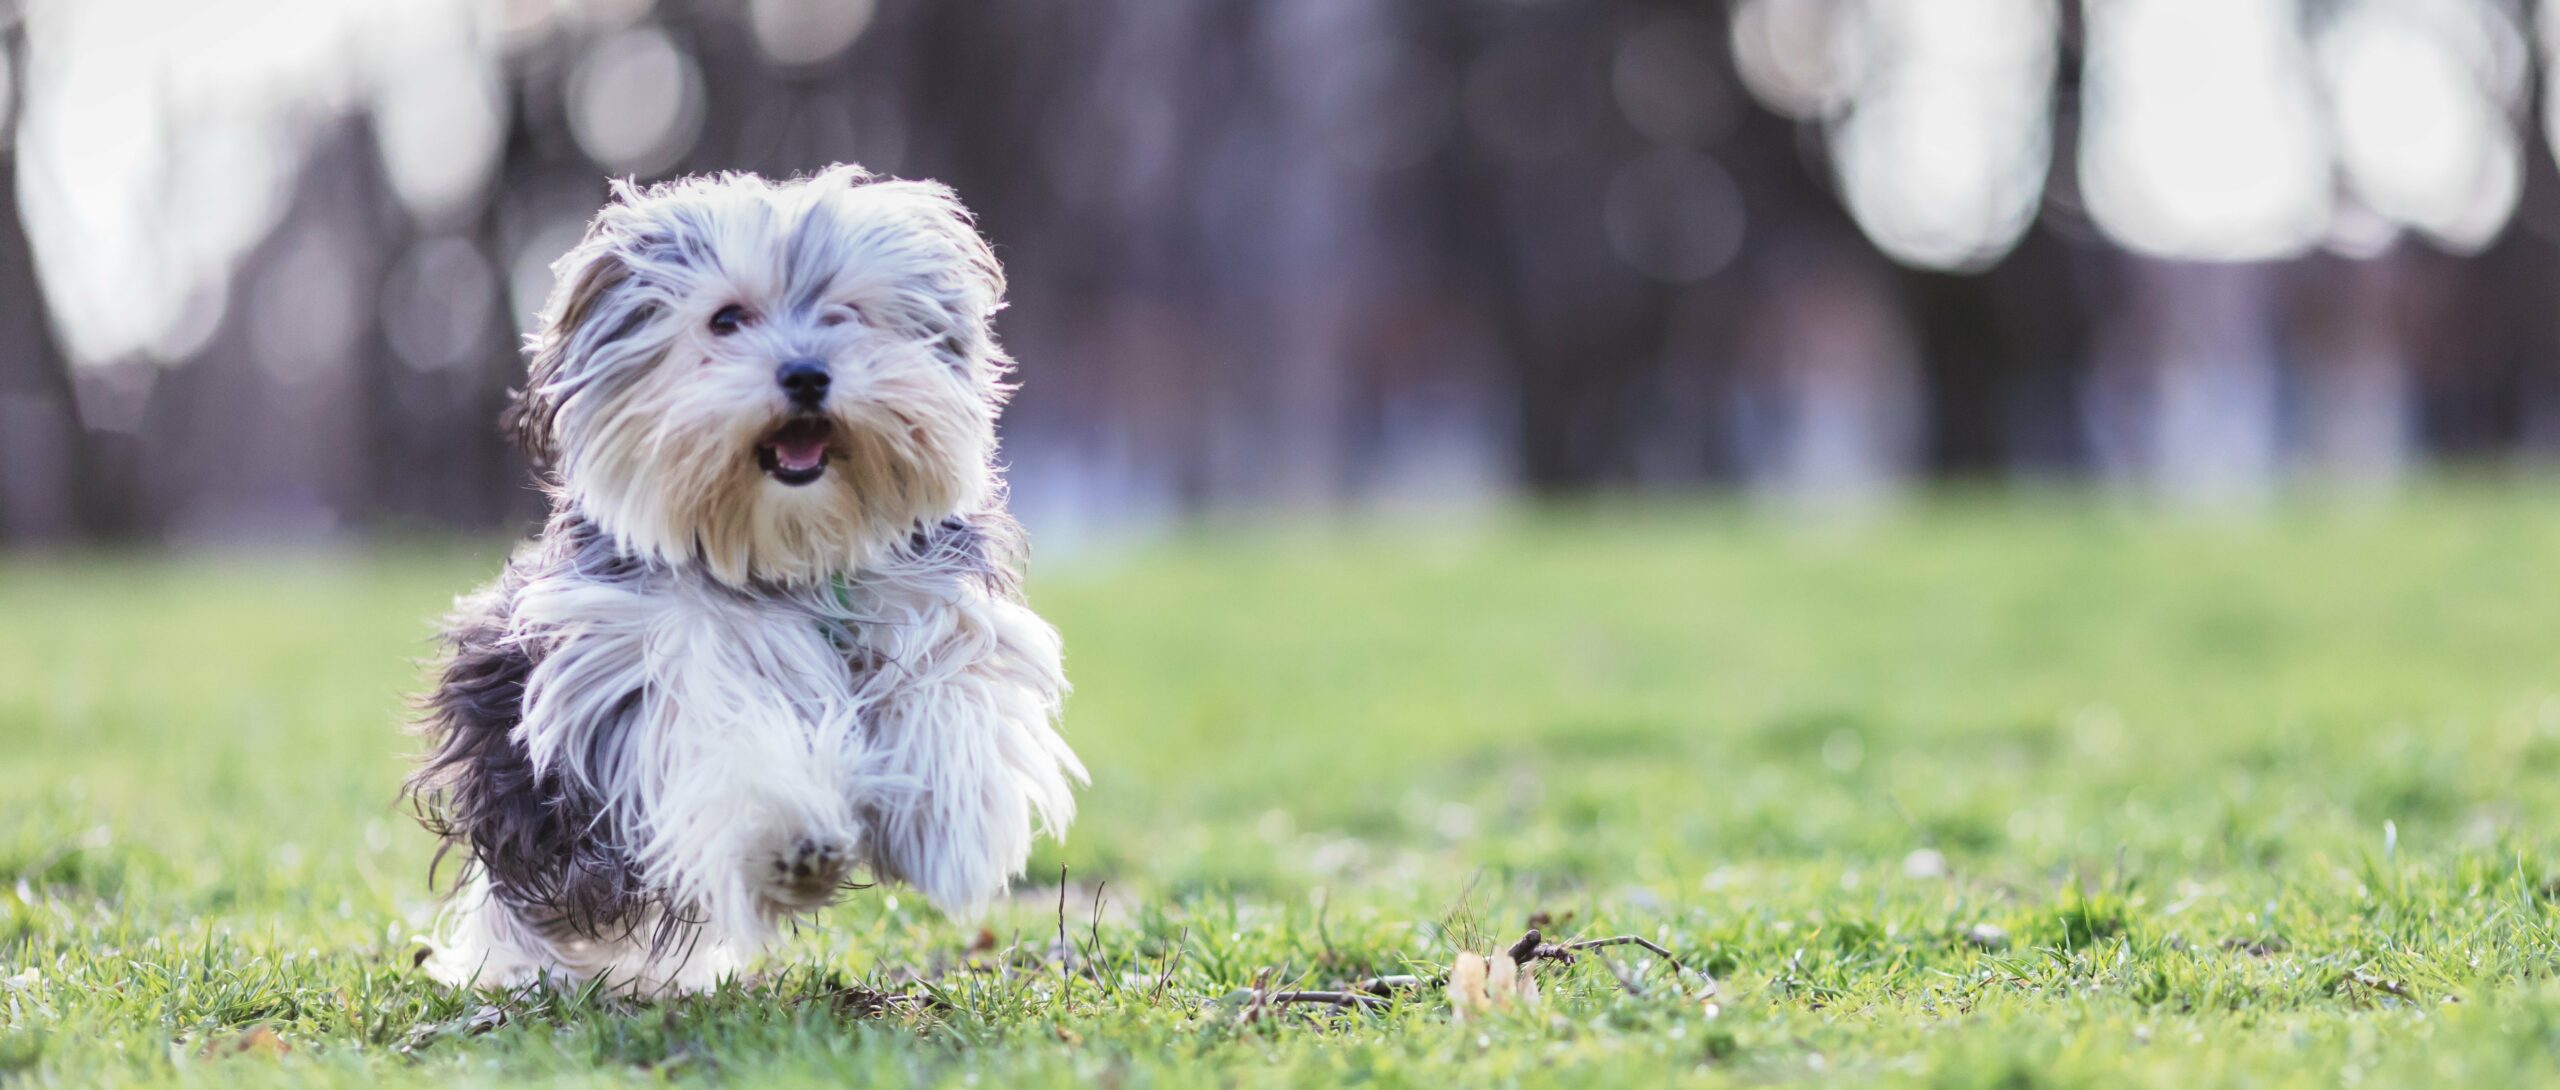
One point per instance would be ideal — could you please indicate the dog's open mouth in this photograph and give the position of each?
(796, 453)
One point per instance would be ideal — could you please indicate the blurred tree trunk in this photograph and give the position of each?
(1523, 178)
(2004, 351)
(545, 193)
(2483, 335)
(271, 431)
(42, 447)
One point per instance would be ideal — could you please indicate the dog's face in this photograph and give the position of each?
(770, 380)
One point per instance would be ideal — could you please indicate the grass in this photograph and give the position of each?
(2025, 793)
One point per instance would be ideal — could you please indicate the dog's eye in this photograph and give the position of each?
(729, 319)
(839, 315)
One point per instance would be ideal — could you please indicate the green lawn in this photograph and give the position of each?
(1989, 793)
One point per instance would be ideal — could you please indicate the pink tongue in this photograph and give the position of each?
(798, 454)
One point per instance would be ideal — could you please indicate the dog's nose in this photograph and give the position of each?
(805, 381)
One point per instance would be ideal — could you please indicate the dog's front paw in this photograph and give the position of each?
(806, 871)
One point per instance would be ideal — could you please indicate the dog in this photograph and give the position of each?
(773, 630)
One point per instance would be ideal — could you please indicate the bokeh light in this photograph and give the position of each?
(1944, 147)
(8, 99)
(1668, 84)
(636, 101)
(2204, 136)
(308, 308)
(529, 272)
(1801, 57)
(793, 33)
(1674, 214)
(440, 118)
(437, 304)
(2423, 91)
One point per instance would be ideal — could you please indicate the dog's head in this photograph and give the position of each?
(769, 380)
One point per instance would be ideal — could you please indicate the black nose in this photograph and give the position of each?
(805, 381)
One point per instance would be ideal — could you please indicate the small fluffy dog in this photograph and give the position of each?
(773, 628)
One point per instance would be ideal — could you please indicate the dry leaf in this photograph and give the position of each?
(1501, 980)
(1481, 983)
(1466, 984)
(257, 1041)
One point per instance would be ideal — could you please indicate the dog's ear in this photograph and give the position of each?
(588, 277)
(951, 300)
(972, 291)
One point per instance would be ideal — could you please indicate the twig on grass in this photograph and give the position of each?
(1066, 950)
(1648, 945)
(1375, 992)
(1362, 1000)
(855, 1001)
(1388, 985)
(1095, 959)
(1172, 956)
(2380, 984)
(1256, 998)
(1625, 980)
(1261, 998)
(1534, 947)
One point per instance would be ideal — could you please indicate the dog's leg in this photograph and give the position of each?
(730, 722)
(484, 944)
(962, 755)
(487, 945)
(689, 961)
(538, 847)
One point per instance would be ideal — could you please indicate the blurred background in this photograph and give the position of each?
(264, 263)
